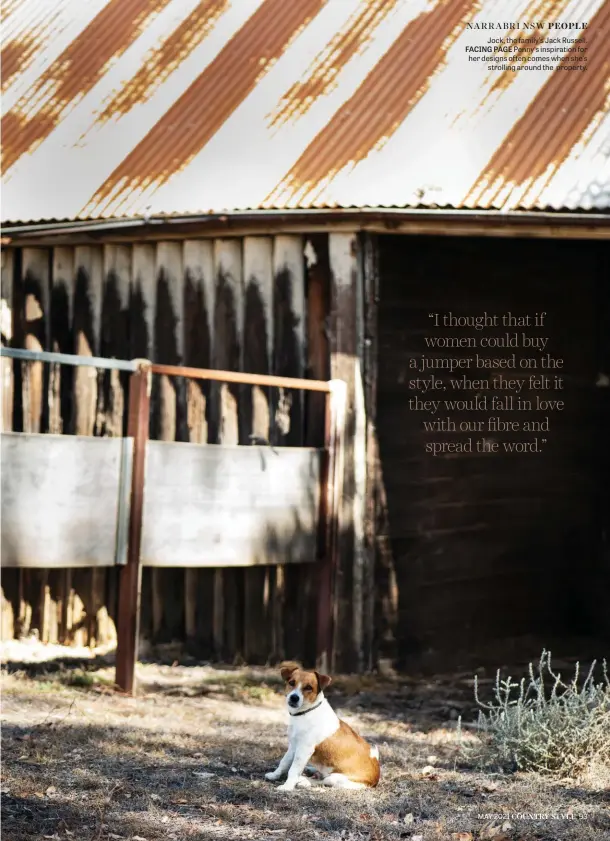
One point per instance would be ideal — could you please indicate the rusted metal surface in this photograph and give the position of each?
(263, 380)
(238, 377)
(381, 103)
(73, 74)
(161, 63)
(23, 36)
(8, 9)
(209, 102)
(315, 104)
(320, 78)
(536, 147)
(325, 550)
(545, 10)
(14, 56)
(131, 574)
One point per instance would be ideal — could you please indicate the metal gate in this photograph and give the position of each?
(134, 502)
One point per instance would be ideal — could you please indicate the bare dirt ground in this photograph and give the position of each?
(186, 760)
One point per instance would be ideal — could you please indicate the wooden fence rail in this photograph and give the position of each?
(213, 505)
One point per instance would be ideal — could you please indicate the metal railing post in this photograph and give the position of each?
(324, 571)
(130, 580)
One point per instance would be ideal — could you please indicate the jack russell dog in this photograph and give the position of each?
(319, 740)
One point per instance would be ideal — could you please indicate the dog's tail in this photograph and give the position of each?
(374, 752)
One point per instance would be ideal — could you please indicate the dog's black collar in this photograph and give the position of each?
(304, 712)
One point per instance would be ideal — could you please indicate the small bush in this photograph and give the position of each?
(543, 724)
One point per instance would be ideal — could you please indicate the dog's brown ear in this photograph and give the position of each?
(323, 681)
(287, 669)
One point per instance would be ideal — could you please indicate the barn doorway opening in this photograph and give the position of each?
(496, 475)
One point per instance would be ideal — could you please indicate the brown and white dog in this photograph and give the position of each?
(319, 740)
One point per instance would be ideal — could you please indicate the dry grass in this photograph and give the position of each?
(546, 724)
(186, 760)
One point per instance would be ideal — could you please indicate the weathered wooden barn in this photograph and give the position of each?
(292, 189)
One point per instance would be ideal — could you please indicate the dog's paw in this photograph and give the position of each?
(286, 786)
(272, 776)
(303, 782)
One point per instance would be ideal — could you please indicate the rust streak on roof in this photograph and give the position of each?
(556, 118)
(8, 8)
(21, 48)
(74, 73)
(210, 100)
(322, 74)
(383, 100)
(16, 54)
(396, 115)
(543, 10)
(160, 63)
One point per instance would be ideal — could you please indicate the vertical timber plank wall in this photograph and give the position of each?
(114, 342)
(256, 408)
(237, 304)
(603, 409)
(199, 288)
(86, 325)
(88, 263)
(291, 584)
(142, 302)
(34, 334)
(317, 368)
(168, 421)
(370, 278)
(227, 355)
(142, 306)
(32, 331)
(62, 338)
(62, 379)
(347, 337)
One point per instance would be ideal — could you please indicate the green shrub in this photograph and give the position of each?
(543, 724)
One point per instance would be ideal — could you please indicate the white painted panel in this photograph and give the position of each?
(221, 506)
(64, 500)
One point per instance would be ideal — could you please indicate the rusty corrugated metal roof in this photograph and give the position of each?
(131, 107)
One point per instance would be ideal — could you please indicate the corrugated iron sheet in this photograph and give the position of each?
(118, 108)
